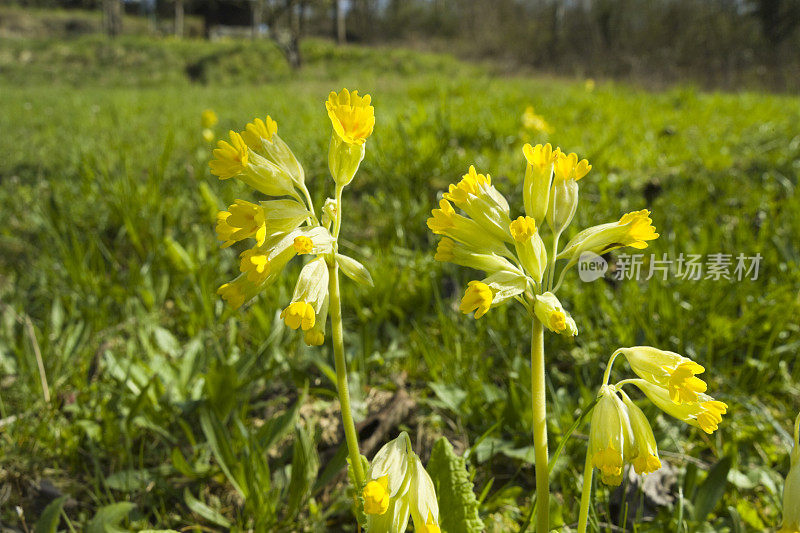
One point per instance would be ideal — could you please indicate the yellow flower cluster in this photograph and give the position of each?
(620, 432)
(511, 251)
(285, 224)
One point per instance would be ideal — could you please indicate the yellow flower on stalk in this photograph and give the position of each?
(705, 413)
(529, 246)
(242, 220)
(610, 436)
(255, 264)
(533, 122)
(259, 129)
(478, 297)
(484, 204)
(352, 116)
(376, 496)
(667, 369)
(299, 314)
(791, 490)
(230, 159)
(208, 118)
(457, 253)
(633, 229)
(303, 245)
(567, 167)
(645, 460)
(552, 315)
(238, 291)
(445, 221)
(538, 178)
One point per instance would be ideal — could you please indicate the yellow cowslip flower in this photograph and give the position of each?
(645, 460)
(538, 178)
(261, 136)
(445, 221)
(303, 245)
(791, 491)
(457, 253)
(552, 315)
(422, 499)
(478, 297)
(529, 246)
(667, 369)
(238, 291)
(237, 160)
(310, 294)
(230, 159)
(567, 170)
(208, 118)
(352, 116)
(484, 204)
(633, 229)
(705, 413)
(610, 436)
(299, 314)
(258, 131)
(376, 496)
(242, 220)
(316, 335)
(388, 477)
(255, 264)
(533, 122)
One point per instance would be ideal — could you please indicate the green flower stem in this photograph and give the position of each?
(586, 494)
(341, 377)
(539, 404)
(340, 363)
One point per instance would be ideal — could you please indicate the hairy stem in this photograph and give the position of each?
(586, 494)
(539, 404)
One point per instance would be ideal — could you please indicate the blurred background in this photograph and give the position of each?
(132, 399)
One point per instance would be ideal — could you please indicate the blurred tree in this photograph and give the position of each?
(179, 19)
(779, 19)
(112, 17)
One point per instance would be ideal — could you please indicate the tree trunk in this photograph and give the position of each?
(341, 31)
(258, 17)
(112, 17)
(179, 18)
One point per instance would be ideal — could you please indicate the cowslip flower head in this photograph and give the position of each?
(241, 221)
(553, 316)
(262, 137)
(457, 253)
(310, 294)
(478, 297)
(538, 177)
(563, 203)
(645, 459)
(208, 118)
(529, 246)
(667, 369)
(445, 221)
(399, 488)
(791, 490)
(610, 436)
(483, 203)
(353, 119)
(633, 229)
(705, 413)
(352, 116)
(237, 160)
(533, 122)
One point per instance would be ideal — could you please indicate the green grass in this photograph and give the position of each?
(104, 186)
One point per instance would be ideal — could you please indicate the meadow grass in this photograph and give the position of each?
(109, 266)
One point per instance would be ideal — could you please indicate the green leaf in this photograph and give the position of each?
(129, 480)
(458, 507)
(108, 518)
(711, 489)
(305, 466)
(51, 516)
(204, 510)
(219, 438)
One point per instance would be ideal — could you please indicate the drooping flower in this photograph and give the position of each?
(633, 229)
(610, 436)
(667, 369)
(645, 460)
(705, 413)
